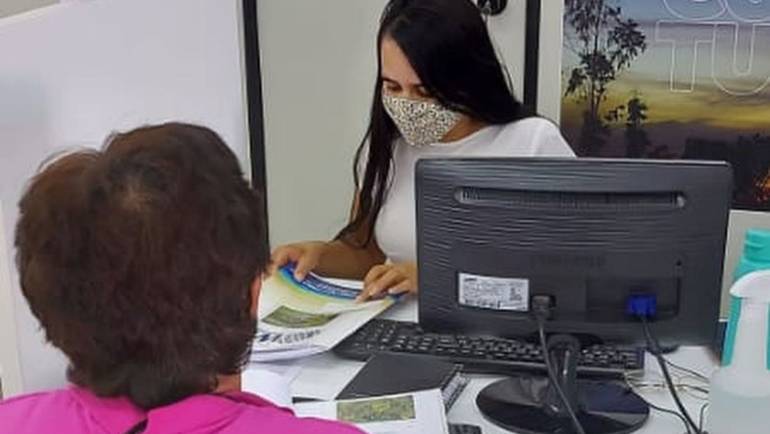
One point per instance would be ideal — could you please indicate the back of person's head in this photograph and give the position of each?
(139, 261)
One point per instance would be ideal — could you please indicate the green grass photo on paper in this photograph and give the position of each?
(377, 410)
(294, 319)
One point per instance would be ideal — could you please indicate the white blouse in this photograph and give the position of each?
(395, 229)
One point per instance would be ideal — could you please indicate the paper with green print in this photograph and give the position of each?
(411, 413)
(298, 319)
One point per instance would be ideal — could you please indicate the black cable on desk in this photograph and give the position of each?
(702, 412)
(654, 348)
(692, 372)
(662, 409)
(542, 308)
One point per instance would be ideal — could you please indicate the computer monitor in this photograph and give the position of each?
(589, 234)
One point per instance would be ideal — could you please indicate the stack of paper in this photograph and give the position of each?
(412, 413)
(298, 319)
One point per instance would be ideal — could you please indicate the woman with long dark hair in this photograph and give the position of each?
(441, 91)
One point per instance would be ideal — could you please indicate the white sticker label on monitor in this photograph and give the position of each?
(494, 292)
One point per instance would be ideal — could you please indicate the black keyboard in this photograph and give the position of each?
(482, 355)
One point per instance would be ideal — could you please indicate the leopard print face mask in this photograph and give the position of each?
(421, 123)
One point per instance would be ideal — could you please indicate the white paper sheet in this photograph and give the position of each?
(270, 382)
(299, 319)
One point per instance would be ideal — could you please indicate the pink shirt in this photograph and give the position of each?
(75, 411)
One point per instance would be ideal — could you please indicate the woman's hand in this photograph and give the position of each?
(306, 255)
(390, 279)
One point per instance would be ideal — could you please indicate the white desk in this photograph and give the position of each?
(325, 375)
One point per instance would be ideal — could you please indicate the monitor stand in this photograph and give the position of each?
(529, 404)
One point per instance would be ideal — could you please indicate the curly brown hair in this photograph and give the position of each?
(139, 259)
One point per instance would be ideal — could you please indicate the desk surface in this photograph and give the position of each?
(325, 375)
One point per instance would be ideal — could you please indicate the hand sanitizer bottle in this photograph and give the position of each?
(740, 390)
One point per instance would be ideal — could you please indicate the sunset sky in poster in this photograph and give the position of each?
(690, 77)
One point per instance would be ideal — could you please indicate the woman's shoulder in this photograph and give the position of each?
(535, 137)
(533, 125)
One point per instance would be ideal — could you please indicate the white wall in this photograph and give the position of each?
(12, 7)
(549, 80)
(73, 73)
(10, 371)
(318, 73)
(317, 77)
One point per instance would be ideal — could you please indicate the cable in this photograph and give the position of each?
(555, 382)
(658, 408)
(542, 309)
(692, 372)
(689, 390)
(682, 388)
(640, 382)
(702, 412)
(672, 413)
(654, 348)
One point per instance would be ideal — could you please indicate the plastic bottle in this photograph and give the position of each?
(740, 390)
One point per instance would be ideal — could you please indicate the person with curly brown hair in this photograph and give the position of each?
(143, 264)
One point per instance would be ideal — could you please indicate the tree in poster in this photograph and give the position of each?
(636, 138)
(606, 43)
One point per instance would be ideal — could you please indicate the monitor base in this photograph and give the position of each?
(520, 404)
